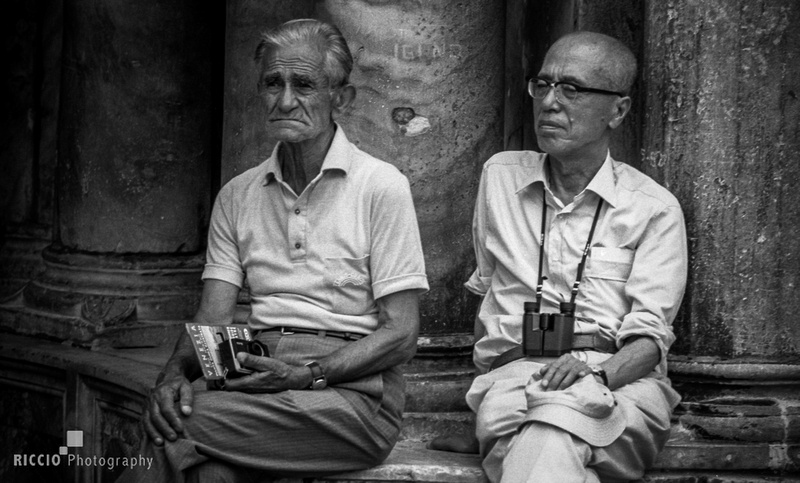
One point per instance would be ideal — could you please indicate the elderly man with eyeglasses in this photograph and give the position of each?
(582, 265)
(327, 238)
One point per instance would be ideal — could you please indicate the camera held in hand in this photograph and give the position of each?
(228, 350)
(548, 334)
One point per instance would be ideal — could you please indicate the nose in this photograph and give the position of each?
(287, 100)
(551, 99)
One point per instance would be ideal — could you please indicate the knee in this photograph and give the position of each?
(217, 471)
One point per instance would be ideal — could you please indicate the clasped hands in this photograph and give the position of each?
(172, 397)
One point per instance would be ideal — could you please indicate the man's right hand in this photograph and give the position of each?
(161, 419)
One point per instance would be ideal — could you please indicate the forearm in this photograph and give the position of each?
(379, 351)
(637, 358)
(480, 330)
(393, 343)
(217, 306)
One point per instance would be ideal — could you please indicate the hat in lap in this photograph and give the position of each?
(586, 409)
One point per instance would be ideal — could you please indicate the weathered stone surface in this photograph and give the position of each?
(135, 135)
(721, 131)
(31, 56)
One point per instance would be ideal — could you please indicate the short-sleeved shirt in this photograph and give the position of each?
(319, 260)
(636, 268)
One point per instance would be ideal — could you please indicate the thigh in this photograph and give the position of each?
(305, 432)
(498, 399)
(292, 432)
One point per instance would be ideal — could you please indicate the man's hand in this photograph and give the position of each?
(562, 373)
(271, 375)
(161, 419)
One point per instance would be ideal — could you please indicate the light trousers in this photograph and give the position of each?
(514, 450)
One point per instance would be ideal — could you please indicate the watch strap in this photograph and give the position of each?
(600, 372)
(318, 380)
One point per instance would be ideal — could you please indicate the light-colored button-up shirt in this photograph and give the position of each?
(318, 260)
(636, 270)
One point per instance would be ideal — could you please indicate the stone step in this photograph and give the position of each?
(126, 375)
(411, 461)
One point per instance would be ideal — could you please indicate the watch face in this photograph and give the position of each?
(319, 383)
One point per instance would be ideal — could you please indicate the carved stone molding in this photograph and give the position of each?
(122, 300)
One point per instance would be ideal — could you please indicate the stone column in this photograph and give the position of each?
(430, 101)
(721, 132)
(31, 51)
(135, 143)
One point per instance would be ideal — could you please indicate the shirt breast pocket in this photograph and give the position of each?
(610, 263)
(349, 285)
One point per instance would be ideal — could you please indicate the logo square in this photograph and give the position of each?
(75, 439)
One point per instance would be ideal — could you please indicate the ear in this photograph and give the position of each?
(342, 98)
(621, 108)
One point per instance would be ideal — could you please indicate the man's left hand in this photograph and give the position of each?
(270, 375)
(562, 373)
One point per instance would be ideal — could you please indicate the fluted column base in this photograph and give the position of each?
(107, 300)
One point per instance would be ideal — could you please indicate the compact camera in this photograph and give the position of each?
(547, 334)
(228, 349)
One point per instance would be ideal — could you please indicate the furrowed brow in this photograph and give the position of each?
(306, 79)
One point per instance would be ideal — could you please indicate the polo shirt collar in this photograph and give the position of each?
(603, 184)
(338, 157)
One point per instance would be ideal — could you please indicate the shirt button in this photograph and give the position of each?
(297, 245)
(297, 211)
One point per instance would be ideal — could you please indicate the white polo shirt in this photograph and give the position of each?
(318, 260)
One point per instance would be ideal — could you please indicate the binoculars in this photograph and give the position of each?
(548, 334)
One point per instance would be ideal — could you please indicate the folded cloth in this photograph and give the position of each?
(586, 409)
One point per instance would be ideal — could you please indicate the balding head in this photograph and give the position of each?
(616, 64)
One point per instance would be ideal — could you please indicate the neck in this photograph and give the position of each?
(568, 179)
(301, 162)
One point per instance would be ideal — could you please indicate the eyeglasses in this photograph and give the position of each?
(565, 91)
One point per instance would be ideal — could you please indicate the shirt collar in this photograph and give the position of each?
(338, 157)
(603, 184)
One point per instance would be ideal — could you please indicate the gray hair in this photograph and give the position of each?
(338, 61)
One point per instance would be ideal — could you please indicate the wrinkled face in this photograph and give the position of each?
(297, 93)
(580, 127)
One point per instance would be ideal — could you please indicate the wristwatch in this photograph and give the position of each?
(318, 380)
(600, 372)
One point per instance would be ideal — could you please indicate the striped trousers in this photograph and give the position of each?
(297, 434)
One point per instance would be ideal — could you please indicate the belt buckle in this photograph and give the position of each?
(285, 331)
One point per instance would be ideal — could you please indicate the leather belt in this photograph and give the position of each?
(321, 333)
(579, 342)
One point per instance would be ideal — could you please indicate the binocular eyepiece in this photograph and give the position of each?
(548, 334)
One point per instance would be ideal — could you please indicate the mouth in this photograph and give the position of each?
(285, 119)
(549, 125)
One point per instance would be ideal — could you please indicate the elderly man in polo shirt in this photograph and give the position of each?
(326, 237)
(573, 231)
